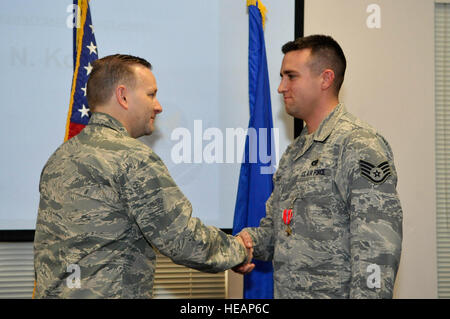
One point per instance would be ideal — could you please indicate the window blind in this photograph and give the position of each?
(175, 281)
(442, 107)
(16, 270)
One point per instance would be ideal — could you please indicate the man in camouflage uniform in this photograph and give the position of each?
(107, 200)
(333, 224)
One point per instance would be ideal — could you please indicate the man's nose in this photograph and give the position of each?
(158, 108)
(281, 87)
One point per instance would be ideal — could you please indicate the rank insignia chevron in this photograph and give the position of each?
(376, 174)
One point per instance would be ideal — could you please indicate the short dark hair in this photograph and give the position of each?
(326, 53)
(107, 72)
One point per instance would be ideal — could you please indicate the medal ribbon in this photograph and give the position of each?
(287, 216)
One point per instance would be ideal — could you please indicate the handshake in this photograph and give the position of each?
(246, 267)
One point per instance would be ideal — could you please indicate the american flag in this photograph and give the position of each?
(84, 54)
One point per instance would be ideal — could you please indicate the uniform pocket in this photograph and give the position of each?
(314, 206)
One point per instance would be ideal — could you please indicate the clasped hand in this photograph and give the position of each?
(246, 267)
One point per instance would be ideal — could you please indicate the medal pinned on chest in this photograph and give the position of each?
(287, 217)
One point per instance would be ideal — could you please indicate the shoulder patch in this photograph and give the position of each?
(376, 174)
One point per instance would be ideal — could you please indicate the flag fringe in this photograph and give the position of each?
(261, 7)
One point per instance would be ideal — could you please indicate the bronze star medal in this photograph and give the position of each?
(287, 217)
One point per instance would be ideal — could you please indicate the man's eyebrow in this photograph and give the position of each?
(287, 72)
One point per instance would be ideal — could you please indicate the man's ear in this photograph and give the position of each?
(327, 78)
(121, 96)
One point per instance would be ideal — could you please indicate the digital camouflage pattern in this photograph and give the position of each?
(346, 229)
(106, 200)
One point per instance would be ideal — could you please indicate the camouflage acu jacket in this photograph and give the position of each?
(344, 237)
(106, 199)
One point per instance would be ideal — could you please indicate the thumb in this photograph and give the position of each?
(246, 238)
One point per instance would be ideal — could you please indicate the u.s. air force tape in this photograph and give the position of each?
(376, 174)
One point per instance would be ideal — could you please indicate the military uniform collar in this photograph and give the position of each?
(103, 119)
(328, 124)
(322, 133)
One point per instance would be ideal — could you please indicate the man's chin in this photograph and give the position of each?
(293, 112)
(150, 130)
(289, 111)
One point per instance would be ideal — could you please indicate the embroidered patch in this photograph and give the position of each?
(376, 174)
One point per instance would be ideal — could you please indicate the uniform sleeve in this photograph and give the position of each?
(163, 215)
(262, 236)
(368, 180)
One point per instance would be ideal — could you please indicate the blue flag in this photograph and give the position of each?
(255, 180)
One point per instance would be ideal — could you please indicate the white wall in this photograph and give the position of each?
(390, 84)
